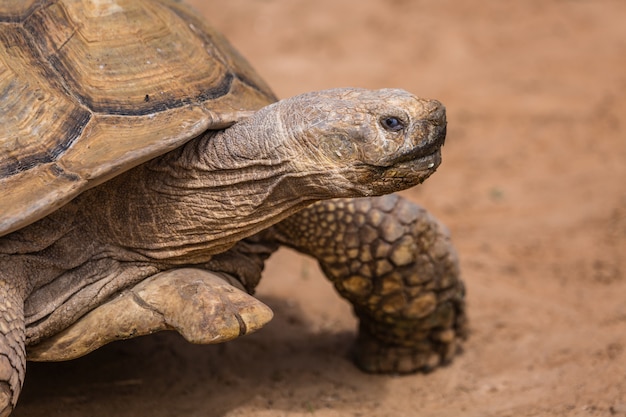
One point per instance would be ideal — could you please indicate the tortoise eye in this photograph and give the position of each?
(393, 124)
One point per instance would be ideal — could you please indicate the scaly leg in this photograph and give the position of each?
(395, 263)
(12, 355)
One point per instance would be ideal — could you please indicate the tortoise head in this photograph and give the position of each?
(380, 141)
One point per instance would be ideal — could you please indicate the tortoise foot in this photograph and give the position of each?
(430, 350)
(202, 306)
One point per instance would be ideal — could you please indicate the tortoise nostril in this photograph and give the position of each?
(437, 114)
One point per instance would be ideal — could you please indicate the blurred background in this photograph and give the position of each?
(532, 187)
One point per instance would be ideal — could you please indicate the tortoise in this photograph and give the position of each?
(147, 172)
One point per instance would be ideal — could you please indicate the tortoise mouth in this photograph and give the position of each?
(403, 175)
(417, 154)
(414, 162)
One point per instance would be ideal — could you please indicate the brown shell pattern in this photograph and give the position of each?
(91, 88)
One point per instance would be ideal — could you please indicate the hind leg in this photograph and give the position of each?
(12, 354)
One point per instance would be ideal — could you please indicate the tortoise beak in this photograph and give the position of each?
(429, 133)
(425, 137)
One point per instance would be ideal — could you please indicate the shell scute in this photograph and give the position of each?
(93, 88)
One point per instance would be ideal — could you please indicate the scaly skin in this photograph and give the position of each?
(396, 265)
(198, 201)
(12, 355)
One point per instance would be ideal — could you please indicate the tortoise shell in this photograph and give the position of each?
(85, 95)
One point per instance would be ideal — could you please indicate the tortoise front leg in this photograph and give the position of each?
(12, 354)
(395, 263)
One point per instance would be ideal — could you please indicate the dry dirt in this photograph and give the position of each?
(533, 188)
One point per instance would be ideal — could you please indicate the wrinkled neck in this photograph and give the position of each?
(202, 198)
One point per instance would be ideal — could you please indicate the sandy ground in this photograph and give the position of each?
(533, 188)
